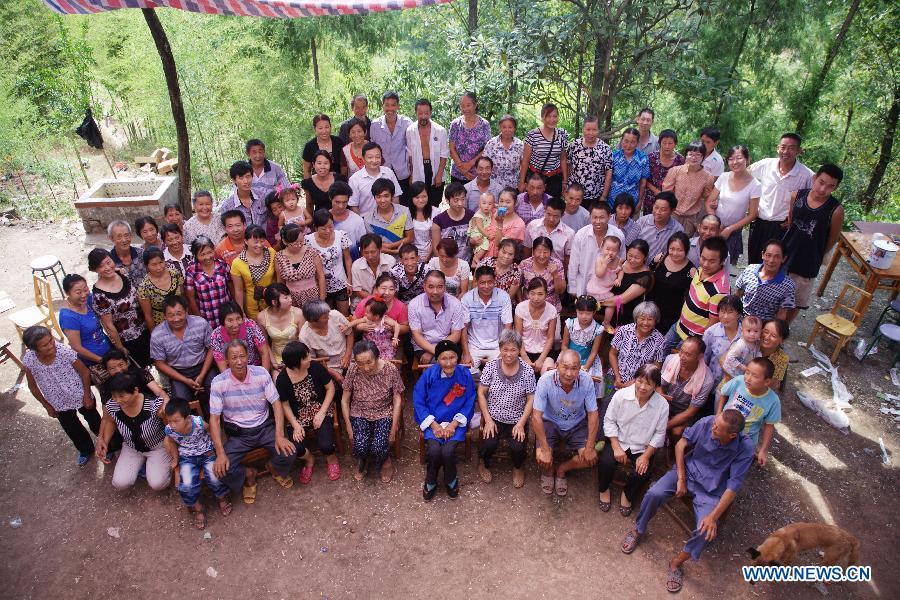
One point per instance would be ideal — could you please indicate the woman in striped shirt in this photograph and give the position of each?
(138, 419)
(545, 153)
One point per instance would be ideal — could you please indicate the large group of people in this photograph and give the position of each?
(580, 292)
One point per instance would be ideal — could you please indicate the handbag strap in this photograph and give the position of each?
(547, 158)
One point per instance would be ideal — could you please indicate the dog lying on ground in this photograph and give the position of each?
(780, 548)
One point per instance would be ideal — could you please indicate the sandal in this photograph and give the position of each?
(547, 484)
(285, 482)
(306, 475)
(334, 471)
(249, 493)
(199, 518)
(630, 542)
(562, 487)
(675, 581)
(225, 506)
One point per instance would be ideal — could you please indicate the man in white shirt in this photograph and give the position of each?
(346, 220)
(586, 245)
(552, 227)
(484, 169)
(366, 269)
(426, 144)
(389, 132)
(713, 163)
(780, 178)
(361, 201)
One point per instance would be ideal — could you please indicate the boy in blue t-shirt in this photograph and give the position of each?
(751, 395)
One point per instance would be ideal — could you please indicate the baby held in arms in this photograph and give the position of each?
(607, 273)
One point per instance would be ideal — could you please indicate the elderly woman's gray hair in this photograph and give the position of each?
(647, 308)
(314, 309)
(117, 223)
(33, 335)
(511, 336)
(363, 346)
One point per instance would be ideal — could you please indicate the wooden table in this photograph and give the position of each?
(855, 248)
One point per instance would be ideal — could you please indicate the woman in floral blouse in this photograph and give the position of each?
(307, 391)
(506, 151)
(469, 134)
(660, 162)
(590, 163)
(116, 303)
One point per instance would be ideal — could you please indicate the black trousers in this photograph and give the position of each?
(606, 468)
(69, 421)
(403, 192)
(139, 349)
(439, 455)
(324, 436)
(488, 446)
(435, 192)
(760, 233)
(181, 390)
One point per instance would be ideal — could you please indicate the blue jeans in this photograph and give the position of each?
(673, 340)
(189, 468)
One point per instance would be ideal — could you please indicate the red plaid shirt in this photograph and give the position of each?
(210, 291)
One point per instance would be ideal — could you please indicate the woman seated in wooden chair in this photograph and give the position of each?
(444, 400)
(307, 390)
(372, 407)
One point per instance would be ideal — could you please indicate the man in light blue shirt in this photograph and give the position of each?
(565, 409)
(389, 132)
(488, 311)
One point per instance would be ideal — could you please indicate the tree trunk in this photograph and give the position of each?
(181, 132)
(809, 97)
(473, 16)
(734, 64)
(315, 59)
(887, 147)
(597, 77)
(846, 130)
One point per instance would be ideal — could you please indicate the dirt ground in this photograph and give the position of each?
(368, 540)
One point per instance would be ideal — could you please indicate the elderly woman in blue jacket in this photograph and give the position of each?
(443, 399)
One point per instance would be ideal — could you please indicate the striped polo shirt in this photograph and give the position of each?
(486, 321)
(243, 403)
(702, 303)
(764, 298)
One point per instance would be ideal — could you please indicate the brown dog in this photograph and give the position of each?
(841, 548)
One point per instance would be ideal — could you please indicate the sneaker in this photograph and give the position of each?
(82, 459)
(428, 494)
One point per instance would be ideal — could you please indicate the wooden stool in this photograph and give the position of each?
(46, 265)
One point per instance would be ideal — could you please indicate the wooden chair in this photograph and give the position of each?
(259, 459)
(7, 354)
(844, 318)
(42, 313)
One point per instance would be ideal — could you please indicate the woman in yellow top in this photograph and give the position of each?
(281, 321)
(252, 271)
